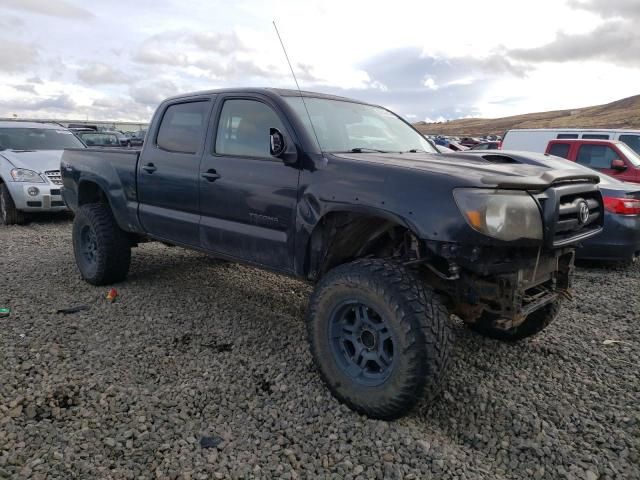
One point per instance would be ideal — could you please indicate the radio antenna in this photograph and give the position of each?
(315, 134)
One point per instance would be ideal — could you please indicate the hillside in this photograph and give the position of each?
(623, 113)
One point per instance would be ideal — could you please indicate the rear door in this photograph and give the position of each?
(168, 172)
(248, 198)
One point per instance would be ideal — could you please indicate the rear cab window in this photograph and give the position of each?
(560, 150)
(182, 127)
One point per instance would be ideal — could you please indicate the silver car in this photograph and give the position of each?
(30, 168)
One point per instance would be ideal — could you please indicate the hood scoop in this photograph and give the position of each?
(497, 158)
(542, 181)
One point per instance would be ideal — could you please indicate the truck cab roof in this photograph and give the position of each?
(281, 92)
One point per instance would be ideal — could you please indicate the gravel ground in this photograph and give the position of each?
(194, 348)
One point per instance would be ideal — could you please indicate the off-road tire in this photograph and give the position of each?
(533, 324)
(112, 252)
(9, 214)
(414, 313)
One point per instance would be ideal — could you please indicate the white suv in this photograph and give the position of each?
(30, 168)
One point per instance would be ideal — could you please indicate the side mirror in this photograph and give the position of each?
(277, 144)
(618, 164)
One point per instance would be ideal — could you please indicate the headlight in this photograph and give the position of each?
(502, 214)
(22, 175)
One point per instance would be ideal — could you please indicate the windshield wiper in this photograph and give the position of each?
(417, 150)
(365, 149)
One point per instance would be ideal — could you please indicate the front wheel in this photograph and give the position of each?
(379, 337)
(102, 250)
(9, 214)
(492, 326)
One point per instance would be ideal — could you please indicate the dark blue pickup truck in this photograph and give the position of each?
(351, 198)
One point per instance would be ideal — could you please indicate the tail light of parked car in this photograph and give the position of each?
(622, 206)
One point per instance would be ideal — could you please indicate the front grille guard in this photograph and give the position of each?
(560, 204)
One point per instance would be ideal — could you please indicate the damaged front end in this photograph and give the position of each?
(509, 284)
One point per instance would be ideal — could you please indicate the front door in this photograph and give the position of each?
(599, 157)
(247, 197)
(168, 173)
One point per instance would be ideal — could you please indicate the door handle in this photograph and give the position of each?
(149, 168)
(211, 175)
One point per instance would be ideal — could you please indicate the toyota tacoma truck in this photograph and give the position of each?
(351, 198)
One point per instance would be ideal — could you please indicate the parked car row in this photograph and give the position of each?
(94, 136)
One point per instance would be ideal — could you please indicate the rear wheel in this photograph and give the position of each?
(9, 214)
(102, 250)
(492, 326)
(379, 337)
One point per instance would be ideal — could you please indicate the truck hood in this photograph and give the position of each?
(37, 160)
(475, 170)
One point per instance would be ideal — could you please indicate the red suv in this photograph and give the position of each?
(614, 158)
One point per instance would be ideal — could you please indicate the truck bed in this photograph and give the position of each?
(113, 170)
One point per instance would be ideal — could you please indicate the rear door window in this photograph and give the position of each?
(560, 150)
(596, 156)
(632, 140)
(566, 136)
(182, 127)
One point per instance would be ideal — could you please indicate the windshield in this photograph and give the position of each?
(628, 152)
(346, 126)
(91, 138)
(37, 139)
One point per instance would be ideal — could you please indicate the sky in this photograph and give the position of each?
(427, 60)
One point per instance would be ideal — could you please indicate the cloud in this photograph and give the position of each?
(221, 56)
(156, 55)
(182, 48)
(424, 86)
(62, 102)
(609, 8)
(35, 79)
(15, 56)
(427, 86)
(101, 74)
(220, 43)
(119, 107)
(430, 83)
(27, 88)
(152, 93)
(614, 41)
(54, 8)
